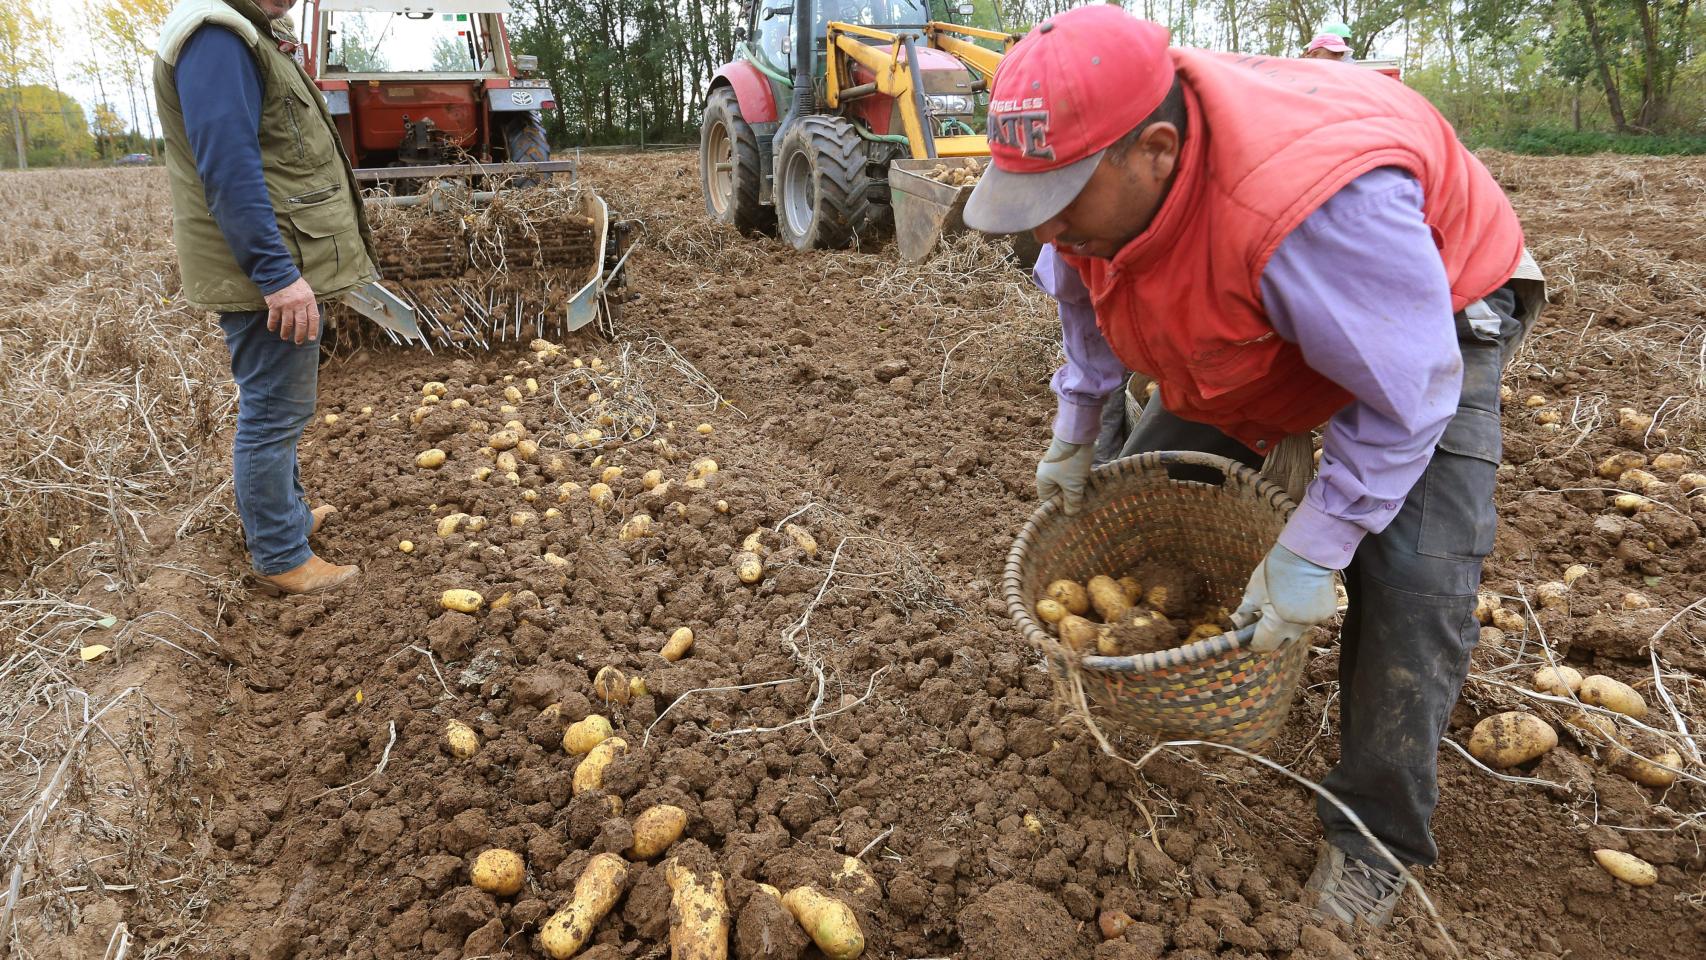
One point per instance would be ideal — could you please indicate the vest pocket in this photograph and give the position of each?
(323, 233)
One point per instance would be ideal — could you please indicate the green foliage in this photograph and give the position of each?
(1555, 141)
(55, 128)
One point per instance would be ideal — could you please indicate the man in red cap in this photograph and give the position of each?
(1284, 245)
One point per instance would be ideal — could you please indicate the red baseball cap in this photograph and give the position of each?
(1076, 83)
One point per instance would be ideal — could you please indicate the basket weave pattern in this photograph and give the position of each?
(1135, 514)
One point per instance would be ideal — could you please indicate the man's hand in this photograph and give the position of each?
(1286, 596)
(1064, 470)
(293, 314)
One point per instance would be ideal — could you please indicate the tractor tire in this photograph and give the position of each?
(525, 141)
(824, 194)
(731, 191)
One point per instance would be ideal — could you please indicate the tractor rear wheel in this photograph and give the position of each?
(729, 172)
(525, 141)
(823, 192)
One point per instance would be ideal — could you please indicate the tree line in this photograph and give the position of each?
(627, 71)
(42, 125)
(635, 71)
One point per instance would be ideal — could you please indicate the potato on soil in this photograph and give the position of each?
(1634, 422)
(1107, 599)
(1559, 681)
(1617, 464)
(600, 494)
(656, 830)
(1615, 695)
(586, 733)
(637, 527)
(748, 567)
(1507, 739)
(754, 543)
(611, 684)
(679, 643)
(589, 773)
(1690, 482)
(1485, 604)
(1627, 867)
(805, 541)
(1553, 594)
(1592, 729)
(430, 459)
(1574, 572)
(1069, 594)
(407, 546)
(1635, 601)
(828, 921)
(462, 601)
(599, 887)
(651, 478)
(1078, 633)
(503, 440)
(1671, 463)
(1630, 504)
(1650, 767)
(460, 740)
(499, 872)
(700, 911)
(1509, 621)
(1640, 480)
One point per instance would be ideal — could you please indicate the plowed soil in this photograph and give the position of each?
(868, 697)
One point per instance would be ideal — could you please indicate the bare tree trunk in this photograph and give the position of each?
(1613, 99)
(1652, 64)
(20, 142)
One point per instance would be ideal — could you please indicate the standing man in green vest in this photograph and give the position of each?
(269, 224)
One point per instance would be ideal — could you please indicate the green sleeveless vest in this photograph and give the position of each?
(308, 177)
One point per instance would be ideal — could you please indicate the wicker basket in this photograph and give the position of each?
(1134, 514)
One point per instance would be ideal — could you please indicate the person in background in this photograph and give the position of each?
(1328, 46)
(268, 223)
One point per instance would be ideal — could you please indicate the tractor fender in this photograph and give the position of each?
(752, 90)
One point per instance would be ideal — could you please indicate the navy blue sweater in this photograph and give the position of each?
(219, 86)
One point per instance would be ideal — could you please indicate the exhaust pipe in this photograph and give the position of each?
(805, 96)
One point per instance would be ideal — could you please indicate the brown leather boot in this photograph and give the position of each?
(321, 512)
(315, 576)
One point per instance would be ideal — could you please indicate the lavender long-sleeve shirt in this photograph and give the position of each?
(1360, 288)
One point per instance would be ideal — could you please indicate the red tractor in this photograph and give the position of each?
(420, 88)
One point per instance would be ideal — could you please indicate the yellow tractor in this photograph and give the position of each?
(838, 112)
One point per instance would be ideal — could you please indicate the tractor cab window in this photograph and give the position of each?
(872, 13)
(384, 42)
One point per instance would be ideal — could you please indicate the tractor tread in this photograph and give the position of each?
(845, 205)
(747, 213)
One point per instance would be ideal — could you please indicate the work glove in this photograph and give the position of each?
(1286, 596)
(1064, 470)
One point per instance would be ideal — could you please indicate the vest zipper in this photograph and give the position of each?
(295, 126)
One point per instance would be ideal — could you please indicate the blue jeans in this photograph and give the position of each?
(276, 386)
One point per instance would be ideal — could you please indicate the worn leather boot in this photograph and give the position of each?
(321, 512)
(1348, 889)
(315, 576)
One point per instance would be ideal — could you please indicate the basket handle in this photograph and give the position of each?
(1232, 473)
(1175, 657)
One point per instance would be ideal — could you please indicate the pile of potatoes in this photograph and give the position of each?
(1515, 737)
(955, 176)
(748, 561)
(1130, 617)
(699, 908)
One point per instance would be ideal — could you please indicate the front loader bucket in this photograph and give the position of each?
(925, 209)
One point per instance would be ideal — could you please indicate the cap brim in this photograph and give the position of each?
(1006, 202)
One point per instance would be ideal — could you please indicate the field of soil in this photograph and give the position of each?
(240, 776)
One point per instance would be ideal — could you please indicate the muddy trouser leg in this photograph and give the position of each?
(1405, 643)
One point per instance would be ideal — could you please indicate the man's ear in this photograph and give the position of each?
(1158, 149)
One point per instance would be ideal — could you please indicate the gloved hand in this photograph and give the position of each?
(1286, 596)
(1064, 470)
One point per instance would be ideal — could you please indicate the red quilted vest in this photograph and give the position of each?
(1269, 141)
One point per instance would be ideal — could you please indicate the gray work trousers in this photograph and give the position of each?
(1407, 635)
